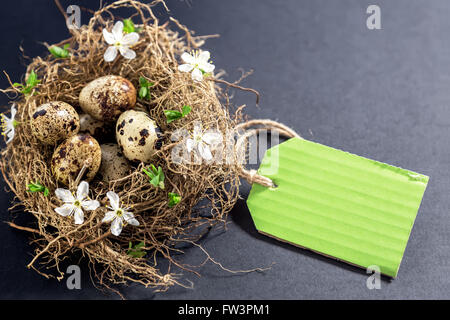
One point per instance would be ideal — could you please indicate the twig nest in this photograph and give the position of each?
(114, 165)
(107, 97)
(137, 136)
(70, 156)
(54, 121)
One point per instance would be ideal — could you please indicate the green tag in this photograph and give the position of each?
(338, 204)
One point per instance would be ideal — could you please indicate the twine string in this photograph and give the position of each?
(252, 175)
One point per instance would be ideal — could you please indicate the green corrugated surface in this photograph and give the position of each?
(341, 205)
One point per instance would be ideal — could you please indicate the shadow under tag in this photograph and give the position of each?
(338, 204)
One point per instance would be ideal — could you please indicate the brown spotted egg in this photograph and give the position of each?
(54, 121)
(114, 165)
(137, 135)
(70, 156)
(96, 128)
(107, 97)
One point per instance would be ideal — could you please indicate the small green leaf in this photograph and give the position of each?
(143, 82)
(143, 91)
(156, 176)
(37, 187)
(135, 251)
(174, 199)
(128, 26)
(173, 115)
(186, 110)
(58, 52)
(31, 82)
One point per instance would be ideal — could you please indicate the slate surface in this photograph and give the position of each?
(381, 94)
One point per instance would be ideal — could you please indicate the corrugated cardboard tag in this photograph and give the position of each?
(338, 204)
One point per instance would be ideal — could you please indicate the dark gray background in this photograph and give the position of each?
(382, 94)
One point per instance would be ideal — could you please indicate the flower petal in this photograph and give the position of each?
(65, 210)
(198, 129)
(129, 218)
(117, 31)
(133, 222)
(90, 204)
(130, 39)
(109, 37)
(110, 54)
(82, 190)
(10, 135)
(109, 216)
(212, 137)
(127, 53)
(186, 57)
(204, 56)
(189, 145)
(204, 151)
(79, 216)
(206, 67)
(64, 195)
(13, 111)
(197, 75)
(185, 67)
(116, 226)
(113, 199)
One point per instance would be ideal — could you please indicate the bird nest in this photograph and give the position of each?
(208, 190)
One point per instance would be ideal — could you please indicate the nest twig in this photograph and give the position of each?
(25, 160)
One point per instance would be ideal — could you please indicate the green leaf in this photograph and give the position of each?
(173, 115)
(32, 79)
(156, 176)
(128, 26)
(186, 110)
(143, 82)
(31, 82)
(37, 187)
(174, 199)
(58, 52)
(135, 251)
(143, 92)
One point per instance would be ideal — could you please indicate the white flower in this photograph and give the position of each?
(120, 42)
(9, 124)
(75, 205)
(197, 62)
(202, 142)
(118, 215)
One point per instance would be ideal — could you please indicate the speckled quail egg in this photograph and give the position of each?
(107, 97)
(94, 127)
(138, 136)
(114, 165)
(54, 121)
(70, 156)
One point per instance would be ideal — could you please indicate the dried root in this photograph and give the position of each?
(214, 186)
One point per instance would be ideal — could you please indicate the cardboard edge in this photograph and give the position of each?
(324, 254)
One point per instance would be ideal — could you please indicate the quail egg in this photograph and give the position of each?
(107, 97)
(114, 165)
(54, 121)
(138, 136)
(70, 156)
(96, 128)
